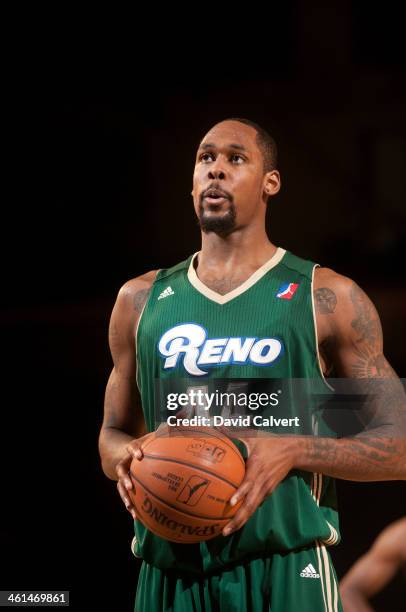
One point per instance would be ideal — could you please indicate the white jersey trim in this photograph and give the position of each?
(315, 331)
(254, 278)
(328, 581)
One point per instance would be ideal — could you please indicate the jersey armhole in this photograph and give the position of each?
(315, 331)
(138, 325)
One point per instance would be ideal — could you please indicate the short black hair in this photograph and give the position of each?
(265, 142)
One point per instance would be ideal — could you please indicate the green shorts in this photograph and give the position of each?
(298, 581)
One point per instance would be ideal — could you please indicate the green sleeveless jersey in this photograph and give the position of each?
(190, 336)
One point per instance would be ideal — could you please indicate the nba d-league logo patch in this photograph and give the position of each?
(287, 291)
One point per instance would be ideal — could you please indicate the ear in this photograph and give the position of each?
(272, 182)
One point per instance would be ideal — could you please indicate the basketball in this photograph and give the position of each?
(183, 484)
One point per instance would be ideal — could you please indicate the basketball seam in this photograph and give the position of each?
(204, 434)
(192, 465)
(207, 518)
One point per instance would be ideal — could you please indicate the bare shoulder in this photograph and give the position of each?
(134, 292)
(336, 292)
(130, 301)
(327, 278)
(332, 291)
(128, 306)
(345, 311)
(133, 295)
(139, 282)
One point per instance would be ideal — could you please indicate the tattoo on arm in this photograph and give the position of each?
(366, 322)
(371, 364)
(140, 298)
(385, 396)
(326, 300)
(378, 451)
(363, 459)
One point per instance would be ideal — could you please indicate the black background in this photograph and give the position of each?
(105, 115)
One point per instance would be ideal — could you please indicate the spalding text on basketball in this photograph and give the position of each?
(162, 519)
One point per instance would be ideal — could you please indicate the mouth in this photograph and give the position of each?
(216, 200)
(215, 196)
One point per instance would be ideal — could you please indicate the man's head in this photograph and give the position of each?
(235, 174)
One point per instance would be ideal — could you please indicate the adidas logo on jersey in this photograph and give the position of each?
(165, 293)
(309, 572)
(188, 341)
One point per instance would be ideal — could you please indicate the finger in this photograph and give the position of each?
(127, 502)
(250, 480)
(253, 471)
(123, 474)
(247, 509)
(134, 450)
(125, 497)
(241, 492)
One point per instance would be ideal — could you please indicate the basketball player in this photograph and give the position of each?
(374, 570)
(273, 554)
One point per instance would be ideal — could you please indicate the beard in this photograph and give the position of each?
(222, 225)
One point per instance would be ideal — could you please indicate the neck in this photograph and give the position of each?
(245, 246)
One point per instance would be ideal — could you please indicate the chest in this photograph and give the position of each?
(187, 331)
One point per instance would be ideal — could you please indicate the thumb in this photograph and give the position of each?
(134, 451)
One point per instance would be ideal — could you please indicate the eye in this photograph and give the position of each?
(236, 158)
(205, 157)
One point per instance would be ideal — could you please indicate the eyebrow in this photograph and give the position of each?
(210, 145)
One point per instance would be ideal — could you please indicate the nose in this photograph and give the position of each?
(216, 171)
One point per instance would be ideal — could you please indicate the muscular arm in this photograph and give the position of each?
(350, 337)
(123, 419)
(372, 572)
